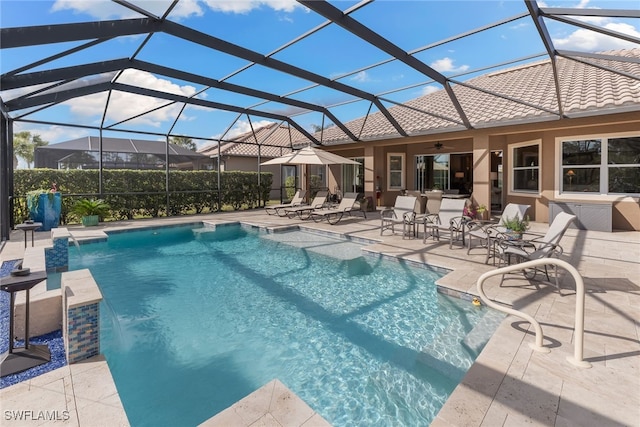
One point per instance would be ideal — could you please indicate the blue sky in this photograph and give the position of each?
(264, 26)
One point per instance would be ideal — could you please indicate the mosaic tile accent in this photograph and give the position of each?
(82, 338)
(57, 257)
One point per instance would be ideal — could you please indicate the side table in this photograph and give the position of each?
(28, 227)
(21, 359)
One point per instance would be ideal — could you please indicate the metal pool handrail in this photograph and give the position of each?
(579, 318)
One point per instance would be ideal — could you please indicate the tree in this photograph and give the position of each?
(317, 128)
(183, 141)
(24, 145)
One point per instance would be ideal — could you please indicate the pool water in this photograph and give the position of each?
(193, 320)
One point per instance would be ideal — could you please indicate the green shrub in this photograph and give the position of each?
(142, 193)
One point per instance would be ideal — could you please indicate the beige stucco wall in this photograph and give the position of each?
(626, 210)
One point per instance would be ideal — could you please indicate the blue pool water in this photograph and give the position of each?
(193, 321)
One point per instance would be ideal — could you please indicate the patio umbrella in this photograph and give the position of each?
(310, 156)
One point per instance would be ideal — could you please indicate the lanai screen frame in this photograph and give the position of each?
(94, 33)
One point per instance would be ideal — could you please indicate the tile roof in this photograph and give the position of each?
(276, 137)
(517, 95)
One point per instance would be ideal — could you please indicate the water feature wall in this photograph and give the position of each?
(57, 256)
(80, 315)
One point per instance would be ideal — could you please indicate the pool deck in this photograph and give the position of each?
(509, 385)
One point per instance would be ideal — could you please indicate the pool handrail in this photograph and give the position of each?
(577, 358)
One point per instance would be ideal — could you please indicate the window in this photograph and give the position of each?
(353, 176)
(432, 172)
(601, 165)
(525, 168)
(395, 171)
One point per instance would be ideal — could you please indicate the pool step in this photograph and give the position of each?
(200, 231)
(475, 340)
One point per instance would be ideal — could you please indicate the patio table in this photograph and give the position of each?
(28, 226)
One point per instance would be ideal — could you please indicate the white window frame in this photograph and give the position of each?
(511, 150)
(604, 177)
(402, 171)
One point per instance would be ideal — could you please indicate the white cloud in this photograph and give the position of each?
(51, 133)
(125, 105)
(361, 77)
(97, 9)
(110, 10)
(429, 89)
(243, 126)
(186, 8)
(103, 9)
(246, 6)
(588, 40)
(446, 65)
(519, 25)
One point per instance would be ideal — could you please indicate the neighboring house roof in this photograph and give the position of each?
(121, 145)
(273, 139)
(584, 90)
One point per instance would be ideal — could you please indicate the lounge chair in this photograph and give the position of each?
(450, 219)
(546, 246)
(485, 230)
(334, 215)
(304, 211)
(402, 213)
(297, 200)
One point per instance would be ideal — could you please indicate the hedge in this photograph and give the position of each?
(142, 193)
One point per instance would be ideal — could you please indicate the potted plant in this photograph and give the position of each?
(44, 206)
(480, 212)
(516, 226)
(90, 211)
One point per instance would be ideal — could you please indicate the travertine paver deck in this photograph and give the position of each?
(509, 385)
(82, 394)
(272, 404)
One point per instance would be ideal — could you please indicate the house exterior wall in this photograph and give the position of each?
(480, 142)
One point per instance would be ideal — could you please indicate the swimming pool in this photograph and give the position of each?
(192, 321)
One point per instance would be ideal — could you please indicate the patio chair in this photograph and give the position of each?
(546, 246)
(297, 200)
(304, 211)
(334, 215)
(450, 219)
(434, 200)
(484, 230)
(421, 206)
(403, 212)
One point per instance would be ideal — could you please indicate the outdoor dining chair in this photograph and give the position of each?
(546, 246)
(402, 213)
(484, 230)
(449, 220)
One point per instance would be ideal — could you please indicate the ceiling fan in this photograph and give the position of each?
(439, 145)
